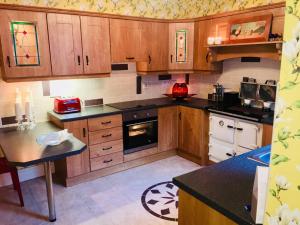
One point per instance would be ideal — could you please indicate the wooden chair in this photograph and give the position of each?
(5, 168)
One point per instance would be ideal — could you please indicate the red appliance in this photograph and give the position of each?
(180, 90)
(66, 105)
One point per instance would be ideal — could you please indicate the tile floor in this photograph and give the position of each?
(111, 200)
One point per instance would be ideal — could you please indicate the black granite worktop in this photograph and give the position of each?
(115, 108)
(225, 187)
(87, 112)
(20, 148)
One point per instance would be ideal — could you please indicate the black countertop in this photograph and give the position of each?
(20, 148)
(225, 187)
(115, 108)
(87, 112)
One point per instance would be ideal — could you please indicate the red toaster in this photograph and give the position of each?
(66, 105)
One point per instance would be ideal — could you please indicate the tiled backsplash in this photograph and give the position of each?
(122, 87)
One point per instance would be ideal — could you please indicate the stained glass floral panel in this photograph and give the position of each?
(181, 46)
(25, 44)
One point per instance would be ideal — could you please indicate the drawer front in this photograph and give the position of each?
(106, 161)
(106, 148)
(105, 122)
(98, 137)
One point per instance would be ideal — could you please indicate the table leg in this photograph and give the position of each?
(50, 193)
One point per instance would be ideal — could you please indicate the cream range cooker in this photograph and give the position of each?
(229, 137)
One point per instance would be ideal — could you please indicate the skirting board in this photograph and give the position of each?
(117, 168)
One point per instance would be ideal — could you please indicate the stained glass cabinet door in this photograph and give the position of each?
(181, 44)
(24, 42)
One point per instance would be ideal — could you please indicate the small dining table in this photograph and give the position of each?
(20, 148)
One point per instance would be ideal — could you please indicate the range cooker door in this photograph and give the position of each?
(247, 135)
(219, 151)
(222, 128)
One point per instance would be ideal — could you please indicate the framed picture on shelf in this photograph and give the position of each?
(250, 29)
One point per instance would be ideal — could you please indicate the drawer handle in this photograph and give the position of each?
(240, 129)
(107, 161)
(105, 123)
(228, 154)
(230, 127)
(105, 149)
(107, 135)
(130, 58)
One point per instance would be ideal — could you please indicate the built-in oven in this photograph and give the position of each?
(140, 130)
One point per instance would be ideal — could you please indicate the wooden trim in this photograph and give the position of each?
(112, 16)
(189, 157)
(118, 168)
(68, 77)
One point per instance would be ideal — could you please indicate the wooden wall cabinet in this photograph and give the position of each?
(65, 44)
(201, 52)
(181, 46)
(167, 128)
(33, 58)
(95, 45)
(78, 45)
(155, 37)
(193, 134)
(126, 40)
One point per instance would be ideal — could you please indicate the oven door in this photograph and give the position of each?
(140, 135)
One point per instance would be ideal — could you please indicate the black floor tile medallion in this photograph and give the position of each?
(161, 200)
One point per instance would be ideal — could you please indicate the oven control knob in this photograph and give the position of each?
(134, 116)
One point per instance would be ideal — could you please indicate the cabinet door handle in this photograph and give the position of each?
(87, 60)
(180, 116)
(130, 58)
(8, 61)
(230, 127)
(78, 60)
(206, 57)
(228, 154)
(105, 123)
(105, 149)
(107, 161)
(84, 132)
(107, 135)
(171, 58)
(240, 129)
(150, 60)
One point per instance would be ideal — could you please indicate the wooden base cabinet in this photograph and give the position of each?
(193, 134)
(267, 134)
(192, 211)
(167, 128)
(79, 164)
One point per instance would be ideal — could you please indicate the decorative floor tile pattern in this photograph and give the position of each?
(161, 200)
(111, 200)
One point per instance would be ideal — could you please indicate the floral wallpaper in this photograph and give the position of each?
(283, 204)
(163, 9)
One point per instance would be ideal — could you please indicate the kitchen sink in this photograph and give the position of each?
(262, 157)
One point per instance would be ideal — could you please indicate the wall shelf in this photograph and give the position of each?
(269, 50)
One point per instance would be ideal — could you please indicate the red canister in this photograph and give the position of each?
(180, 90)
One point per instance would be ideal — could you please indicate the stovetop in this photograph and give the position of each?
(131, 105)
(243, 112)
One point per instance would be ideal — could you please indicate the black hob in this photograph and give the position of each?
(132, 105)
